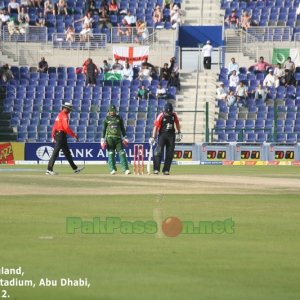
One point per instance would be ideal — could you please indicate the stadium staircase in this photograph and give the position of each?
(191, 112)
(202, 12)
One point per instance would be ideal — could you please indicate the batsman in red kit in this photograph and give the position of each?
(164, 125)
(59, 134)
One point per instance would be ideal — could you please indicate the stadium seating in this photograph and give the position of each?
(268, 13)
(35, 99)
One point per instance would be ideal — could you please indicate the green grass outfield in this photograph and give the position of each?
(259, 261)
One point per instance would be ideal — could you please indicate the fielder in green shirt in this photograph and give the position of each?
(114, 137)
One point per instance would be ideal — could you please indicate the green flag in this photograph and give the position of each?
(112, 76)
(280, 55)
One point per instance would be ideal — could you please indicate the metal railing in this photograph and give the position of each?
(269, 34)
(26, 34)
(93, 41)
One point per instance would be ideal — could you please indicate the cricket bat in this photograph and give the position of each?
(149, 159)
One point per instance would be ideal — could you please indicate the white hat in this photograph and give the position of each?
(208, 42)
(221, 83)
(68, 105)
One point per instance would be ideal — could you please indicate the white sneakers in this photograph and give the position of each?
(51, 173)
(113, 172)
(155, 172)
(78, 170)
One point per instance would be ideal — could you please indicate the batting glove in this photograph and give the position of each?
(178, 137)
(125, 141)
(151, 141)
(103, 144)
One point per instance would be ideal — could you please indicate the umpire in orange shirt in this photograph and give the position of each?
(59, 135)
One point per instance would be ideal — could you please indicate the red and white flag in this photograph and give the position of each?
(135, 55)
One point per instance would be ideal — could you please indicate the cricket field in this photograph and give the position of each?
(93, 236)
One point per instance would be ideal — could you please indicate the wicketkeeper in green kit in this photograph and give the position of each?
(114, 137)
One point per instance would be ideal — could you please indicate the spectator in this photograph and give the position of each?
(127, 72)
(90, 6)
(289, 65)
(104, 19)
(157, 15)
(40, 20)
(124, 28)
(245, 20)
(26, 3)
(298, 10)
(234, 79)
(167, 4)
(145, 73)
(149, 66)
(231, 99)
(165, 72)
(143, 93)
(270, 80)
(130, 18)
(23, 19)
(288, 78)
(161, 92)
(241, 93)
(4, 17)
(62, 8)
(85, 33)
(174, 68)
(260, 93)
(233, 66)
(142, 32)
(70, 34)
(176, 16)
(11, 27)
(5, 73)
(279, 72)
(49, 8)
(87, 20)
(207, 51)
(32, 3)
(13, 7)
(91, 73)
(174, 81)
(106, 66)
(117, 66)
(232, 20)
(43, 66)
(261, 66)
(87, 30)
(221, 92)
(113, 7)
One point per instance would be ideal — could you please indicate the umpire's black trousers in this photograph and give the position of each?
(61, 144)
(165, 140)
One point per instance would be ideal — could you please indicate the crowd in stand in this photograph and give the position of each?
(236, 91)
(107, 15)
(245, 21)
(145, 72)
